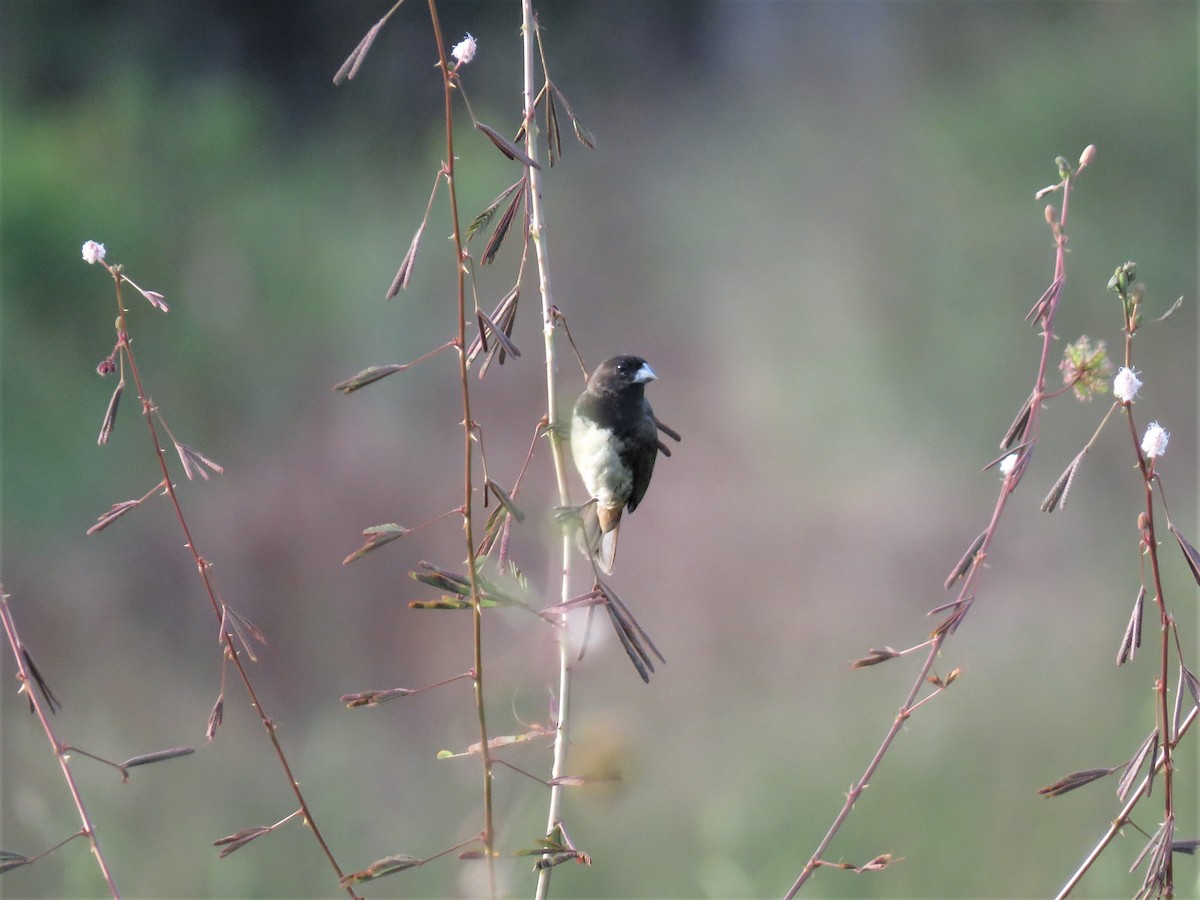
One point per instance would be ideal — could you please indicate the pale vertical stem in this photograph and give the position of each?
(537, 232)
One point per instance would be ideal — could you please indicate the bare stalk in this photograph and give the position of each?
(537, 232)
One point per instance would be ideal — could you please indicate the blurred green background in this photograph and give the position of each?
(816, 221)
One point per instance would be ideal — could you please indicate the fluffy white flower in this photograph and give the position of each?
(464, 51)
(1154, 444)
(1126, 385)
(93, 252)
(1008, 464)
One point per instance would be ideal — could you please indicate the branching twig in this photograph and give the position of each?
(1022, 435)
(38, 703)
(203, 567)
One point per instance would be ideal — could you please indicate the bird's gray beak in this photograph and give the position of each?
(644, 374)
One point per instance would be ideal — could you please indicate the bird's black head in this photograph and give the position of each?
(620, 373)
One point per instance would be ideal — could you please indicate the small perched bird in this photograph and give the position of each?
(614, 439)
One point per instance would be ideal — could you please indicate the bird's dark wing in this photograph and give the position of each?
(641, 452)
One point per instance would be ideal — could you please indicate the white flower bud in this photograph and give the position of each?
(464, 51)
(1008, 464)
(1154, 444)
(93, 252)
(1126, 385)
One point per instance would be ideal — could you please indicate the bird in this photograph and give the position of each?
(614, 442)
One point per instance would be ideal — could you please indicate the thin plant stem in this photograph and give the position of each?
(1124, 815)
(537, 232)
(60, 751)
(448, 81)
(1168, 630)
(1162, 714)
(204, 567)
(966, 592)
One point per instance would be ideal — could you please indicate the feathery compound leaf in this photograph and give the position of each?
(502, 226)
(493, 529)
(503, 317)
(239, 839)
(110, 415)
(196, 463)
(944, 681)
(880, 862)
(1177, 707)
(497, 743)
(958, 612)
(490, 595)
(963, 566)
(553, 137)
(368, 376)
(874, 657)
(1149, 748)
(157, 756)
(404, 273)
(215, 718)
(10, 859)
(389, 865)
(1193, 684)
(568, 781)
(52, 701)
(354, 61)
(498, 333)
(1057, 498)
(118, 510)
(1158, 848)
(633, 638)
(481, 221)
(582, 134)
(245, 627)
(443, 603)
(1068, 783)
(518, 575)
(374, 698)
(377, 536)
(1174, 306)
(1132, 638)
(1049, 298)
(1016, 431)
(506, 501)
(507, 147)
(442, 580)
(1189, 552)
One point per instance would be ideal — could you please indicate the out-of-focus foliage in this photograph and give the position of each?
(816, 220)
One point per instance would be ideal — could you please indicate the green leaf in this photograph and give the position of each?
(367, 376)
(389, 865)
(377, 536)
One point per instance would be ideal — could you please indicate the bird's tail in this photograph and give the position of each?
(598, 535)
